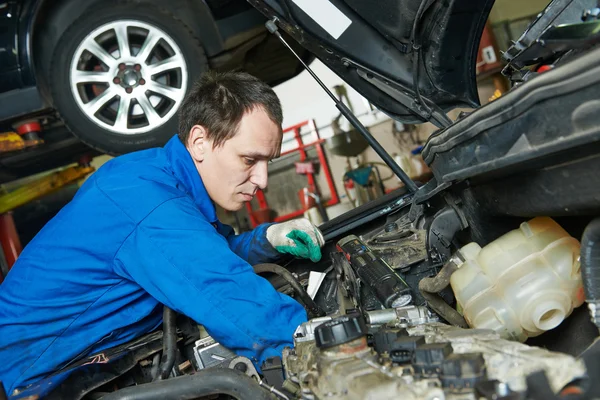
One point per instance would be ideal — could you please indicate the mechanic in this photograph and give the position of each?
(143, 231)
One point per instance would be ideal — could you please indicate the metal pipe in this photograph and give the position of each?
(410, 185)
(203, 383)
(380, 317)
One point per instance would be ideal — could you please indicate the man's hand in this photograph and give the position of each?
(298, 237)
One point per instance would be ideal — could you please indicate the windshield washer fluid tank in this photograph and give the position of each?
(522, 284)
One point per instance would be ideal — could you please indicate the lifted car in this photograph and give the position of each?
(116, 72)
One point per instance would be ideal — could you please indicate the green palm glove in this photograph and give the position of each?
(298, 237)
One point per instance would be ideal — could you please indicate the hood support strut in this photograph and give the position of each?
(385, 156)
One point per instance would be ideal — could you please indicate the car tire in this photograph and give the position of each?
(120, 72)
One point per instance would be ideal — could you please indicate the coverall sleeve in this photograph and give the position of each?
(183, 262)
(251, 246)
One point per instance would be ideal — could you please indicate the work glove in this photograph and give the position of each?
(298, 237)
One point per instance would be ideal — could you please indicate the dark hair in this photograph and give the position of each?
(218, 101)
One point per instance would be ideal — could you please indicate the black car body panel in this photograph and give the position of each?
(10, 77)
(376, 53)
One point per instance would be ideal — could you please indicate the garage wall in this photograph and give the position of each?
(302, 98)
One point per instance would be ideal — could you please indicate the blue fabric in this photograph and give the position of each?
(140, 232)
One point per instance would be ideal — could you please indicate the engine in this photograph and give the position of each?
(392, 329)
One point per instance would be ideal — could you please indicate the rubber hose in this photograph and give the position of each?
(429, 288)
(312, 308)
(444, 310)
(155, 365)
(439, 282)
(169, 343)
(203, 383)
(590, 261)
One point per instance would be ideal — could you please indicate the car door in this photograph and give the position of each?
(10, 77)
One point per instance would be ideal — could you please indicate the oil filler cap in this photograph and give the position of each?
(340, 330)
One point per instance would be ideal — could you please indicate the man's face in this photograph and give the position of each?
(235, 170)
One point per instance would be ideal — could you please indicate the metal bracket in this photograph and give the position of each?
(400, 93)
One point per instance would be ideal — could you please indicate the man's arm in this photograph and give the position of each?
(298, 237)
(251, 246)
(183, 262)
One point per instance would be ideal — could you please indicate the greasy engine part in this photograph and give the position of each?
(427, 361)
(388, 287)
(203, 383)
(346, 369)
(398, 243)
(539, 388)
(590, 268)
(312, 308)
(208, 353)
(431, 286)
(507, 361)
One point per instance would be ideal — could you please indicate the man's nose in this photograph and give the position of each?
(260, 174)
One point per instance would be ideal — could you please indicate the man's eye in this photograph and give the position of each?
(249, 161)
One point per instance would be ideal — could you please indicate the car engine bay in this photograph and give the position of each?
(390, 320)
(475, 286)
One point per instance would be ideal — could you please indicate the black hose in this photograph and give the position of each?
(169, 343)
(590, 267)
(3, 395)
(203, 383)
(429, 288)
(312, 308)
(439, 282)
(437, 304)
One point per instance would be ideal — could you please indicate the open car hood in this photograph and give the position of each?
(377, 48)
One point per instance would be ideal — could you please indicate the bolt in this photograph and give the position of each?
(122, 67)
(502, 389)
(137, 67)
(117, 80)
(129, 89)
(142, 81)
(391, 227)
(242, 367)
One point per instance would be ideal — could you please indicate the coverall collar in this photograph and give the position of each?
(185, 171)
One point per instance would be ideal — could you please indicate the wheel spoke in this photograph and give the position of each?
(91, 77)
(149, 44)
(123, 113)
(97, 103)
(149, 111)
(165, 65)
(93, 47)
(166, 91)
(123, 39)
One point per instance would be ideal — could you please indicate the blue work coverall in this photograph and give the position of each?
(140, 232)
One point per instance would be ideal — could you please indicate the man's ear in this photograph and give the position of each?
(197, 142)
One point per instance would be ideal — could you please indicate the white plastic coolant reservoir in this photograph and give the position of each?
(523, 283)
